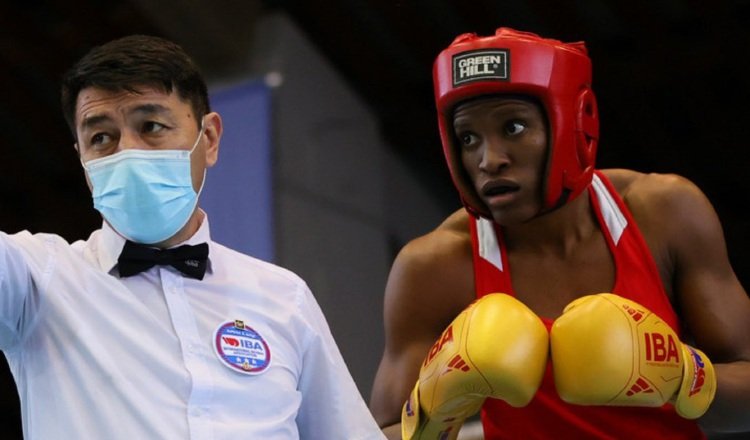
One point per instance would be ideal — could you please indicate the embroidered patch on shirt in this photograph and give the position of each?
(241, 348)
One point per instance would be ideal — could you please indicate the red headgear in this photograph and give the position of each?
(522, 63)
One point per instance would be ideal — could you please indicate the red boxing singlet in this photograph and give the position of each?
(636, 278)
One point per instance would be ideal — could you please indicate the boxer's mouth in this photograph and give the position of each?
(499, 187)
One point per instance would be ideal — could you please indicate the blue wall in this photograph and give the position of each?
(238, 192)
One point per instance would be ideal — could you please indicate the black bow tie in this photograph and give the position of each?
(190, 260)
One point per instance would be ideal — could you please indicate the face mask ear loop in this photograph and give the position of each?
(200, 134)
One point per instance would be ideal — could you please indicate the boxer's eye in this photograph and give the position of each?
(515, 127)
(468, 139)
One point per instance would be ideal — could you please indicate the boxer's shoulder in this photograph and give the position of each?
(446, 245)
(668, 210)
(436, 269)
(651, 194)
(455, 227)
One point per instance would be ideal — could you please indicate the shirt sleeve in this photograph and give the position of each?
(16, 284)
(332, 406)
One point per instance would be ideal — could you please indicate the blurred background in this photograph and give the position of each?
(332, 159)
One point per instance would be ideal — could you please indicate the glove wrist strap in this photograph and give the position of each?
(698, 384)
(416, 425)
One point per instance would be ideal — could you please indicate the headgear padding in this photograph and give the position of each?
(511, 62)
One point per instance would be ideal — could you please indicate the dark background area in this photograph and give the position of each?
(670, 75)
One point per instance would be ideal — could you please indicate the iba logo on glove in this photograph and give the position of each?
(446, 338)
(659, 347)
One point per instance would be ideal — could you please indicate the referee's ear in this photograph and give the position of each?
(213, 129)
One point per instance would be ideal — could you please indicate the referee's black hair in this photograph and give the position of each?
(131, 62)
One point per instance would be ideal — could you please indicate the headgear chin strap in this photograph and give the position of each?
(511, 62)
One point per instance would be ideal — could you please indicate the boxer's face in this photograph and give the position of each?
(503, 144)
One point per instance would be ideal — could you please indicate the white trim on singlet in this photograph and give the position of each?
(613, 217)
(488, 246)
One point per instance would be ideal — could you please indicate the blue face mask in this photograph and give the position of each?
(146, 195)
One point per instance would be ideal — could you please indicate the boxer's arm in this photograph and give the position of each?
(713, 305)
(431, 281)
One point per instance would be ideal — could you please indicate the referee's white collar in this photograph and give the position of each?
(111, 243)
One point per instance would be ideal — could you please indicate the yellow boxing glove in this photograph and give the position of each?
(608, 350)
(496, 347)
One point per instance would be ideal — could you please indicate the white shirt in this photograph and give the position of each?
(96, 356)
